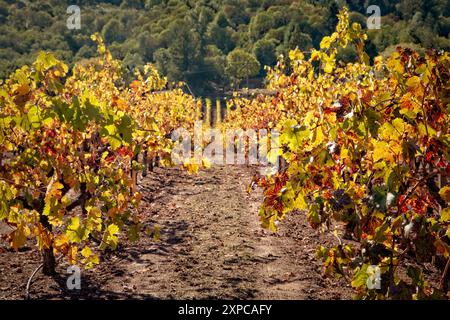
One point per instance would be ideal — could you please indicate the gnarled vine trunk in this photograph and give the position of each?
(49, 263)
(48, 257)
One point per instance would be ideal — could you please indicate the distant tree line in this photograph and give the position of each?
(211, 44)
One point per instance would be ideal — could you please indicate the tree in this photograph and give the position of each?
(333, 9)
(215, 63)
(147, 45)
(221, 37)
(260, 25)
(264, 50)
(183, 54)
(294, 38)
(162, 59)
(241, 65)
(113, 31)
(236, 13)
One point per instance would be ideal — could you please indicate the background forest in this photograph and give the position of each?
(213, 45)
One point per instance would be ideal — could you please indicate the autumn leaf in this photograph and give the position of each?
(445, 193)
(413, 83)
(75, 231)
(325, 43)
(445, 215)
(109, 237)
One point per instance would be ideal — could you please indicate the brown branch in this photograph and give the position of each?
(423, 180)
(443, 283)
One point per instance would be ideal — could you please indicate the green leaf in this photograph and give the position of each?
(75, 231)
(92, 111)
(109, 237)
(125, 129)
(360, 277)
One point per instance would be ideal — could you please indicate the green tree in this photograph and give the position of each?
(148, 44)
(241, 65)
(264, 50)
(215, 63)
(260, 25)
(294, 37)
(113, 31)
(221, 37)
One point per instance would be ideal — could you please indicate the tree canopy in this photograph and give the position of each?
(178, 35)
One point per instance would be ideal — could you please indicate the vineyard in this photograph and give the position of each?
(96, 172)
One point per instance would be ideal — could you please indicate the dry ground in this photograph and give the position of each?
(211, 246)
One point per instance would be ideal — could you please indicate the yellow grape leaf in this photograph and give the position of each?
(396, 64)
(394, 130)
(61, 242)
(328, 68)
(121, 198)
(22, 89)
(325, 43)
(206, 163)
(19, 236)
(300, 203)
(86, 252)
(445, 215)
(296, 55)
(408, 106)
(413, 82)
(95, 218)
(426, 130)
(381, 151)
(317, 136)
(345, 154)
(273, 154)
(445, 193)
(110, 238)
(89, 257)
(191, 166)
(75, 231)
(315, 55)
(401, 126)
(378, 62)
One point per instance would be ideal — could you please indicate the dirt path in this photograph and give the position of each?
(211, 246)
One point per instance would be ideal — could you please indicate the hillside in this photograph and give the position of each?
(191, 40)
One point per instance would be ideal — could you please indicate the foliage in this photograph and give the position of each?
(175, 34)
(68, 146)
(241, 65)
(365, 147)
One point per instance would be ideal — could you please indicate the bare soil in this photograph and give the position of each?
(211, 247)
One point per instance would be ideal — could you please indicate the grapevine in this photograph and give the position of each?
(366, 147)
(69, 145)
